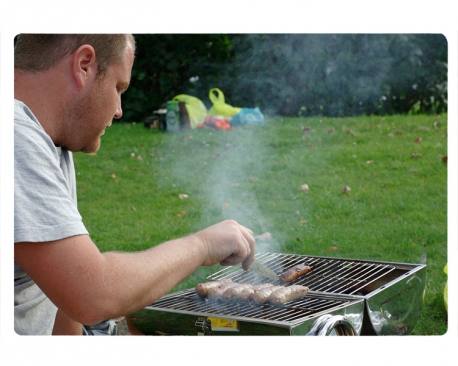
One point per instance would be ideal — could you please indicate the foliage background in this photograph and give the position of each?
(333, 75)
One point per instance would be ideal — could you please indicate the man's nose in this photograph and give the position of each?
(118, 113)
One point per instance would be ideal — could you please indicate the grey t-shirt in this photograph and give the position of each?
(45, 209)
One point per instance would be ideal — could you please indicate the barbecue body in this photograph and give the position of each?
(346, 297)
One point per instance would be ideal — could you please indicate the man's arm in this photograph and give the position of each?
(90, 286)
(63, 325)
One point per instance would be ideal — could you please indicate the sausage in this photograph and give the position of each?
(247, 294)
(261, 296)
(216, 293)
(262, 286)
(294, 272)
(203, 288)
(233, 293)
(285, 294)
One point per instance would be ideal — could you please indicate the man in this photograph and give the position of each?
(67, 91)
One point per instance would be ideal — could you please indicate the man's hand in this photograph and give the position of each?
(228, 243)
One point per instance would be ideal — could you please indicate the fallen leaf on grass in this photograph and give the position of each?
(330, 249)
(133, 208)
(384, 185)
(225, 205)
(298, 239)
(418, 140)
(148, 238)
(391, 134)
(307, 130)
(398, 132)
(182, 195)
(303, 187)
(265, 236)
(303, 222)
(437, 124)
(330, 130)
(350, 132)
(132, 155)
(139, 157)
(346, 189)
(416, 155)
(444, 159)
(181, 214)
(369, 161)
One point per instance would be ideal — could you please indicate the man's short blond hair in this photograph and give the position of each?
(39, 52)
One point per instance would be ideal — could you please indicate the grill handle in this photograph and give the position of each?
(325, 324)
(415, 284)
(204, 326)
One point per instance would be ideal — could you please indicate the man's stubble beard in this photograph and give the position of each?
(78, 120)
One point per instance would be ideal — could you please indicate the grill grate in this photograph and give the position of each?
(328, 275)
(189, 302)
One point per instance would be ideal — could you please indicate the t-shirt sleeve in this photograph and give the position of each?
(44, 209)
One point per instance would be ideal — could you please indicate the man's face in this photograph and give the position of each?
(93, 112)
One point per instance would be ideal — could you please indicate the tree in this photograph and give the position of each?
(170, 64)
(293, 74)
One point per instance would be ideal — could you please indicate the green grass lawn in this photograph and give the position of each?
(395, 210)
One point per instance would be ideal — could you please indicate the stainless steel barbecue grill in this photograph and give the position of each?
(346, 297)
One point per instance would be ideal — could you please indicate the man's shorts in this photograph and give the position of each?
(107, 327)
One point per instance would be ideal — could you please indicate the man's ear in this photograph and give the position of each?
(84, 66)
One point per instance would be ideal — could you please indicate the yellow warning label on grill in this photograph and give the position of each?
(228, 325)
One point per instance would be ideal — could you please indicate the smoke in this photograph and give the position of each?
(337, 74)
(291, 75)
(226, 166)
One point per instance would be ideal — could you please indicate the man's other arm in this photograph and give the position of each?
(89, 286)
